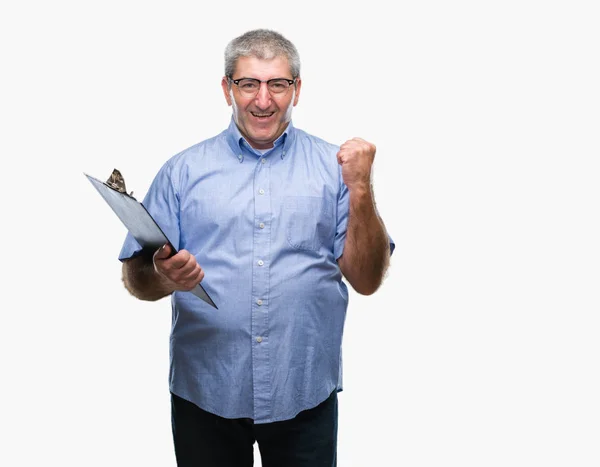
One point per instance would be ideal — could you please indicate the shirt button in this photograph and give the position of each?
(260, 262)
(259, 339)
(262, 225)
(263, 161)
(261, 191)
(259, 302)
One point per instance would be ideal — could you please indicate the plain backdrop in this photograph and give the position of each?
(480, 349)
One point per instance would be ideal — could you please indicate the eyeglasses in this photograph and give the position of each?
(249, 87)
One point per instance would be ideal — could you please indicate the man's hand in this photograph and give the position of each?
(181, 271)
(356, 158)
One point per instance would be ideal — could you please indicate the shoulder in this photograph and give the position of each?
(185, 163)
(321, 154)
(308, 140)
(195, 153)
(317, 150)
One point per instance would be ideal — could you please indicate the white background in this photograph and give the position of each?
(480, 349)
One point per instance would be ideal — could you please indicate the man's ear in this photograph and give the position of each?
(225, 86)
(298, 86)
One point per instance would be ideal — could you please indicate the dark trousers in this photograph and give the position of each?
(205, 440)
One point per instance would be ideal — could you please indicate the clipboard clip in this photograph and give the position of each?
(117, 182)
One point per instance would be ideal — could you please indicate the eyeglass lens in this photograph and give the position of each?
(250, 86)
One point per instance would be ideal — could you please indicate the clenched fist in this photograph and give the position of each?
(181, 271)
(356, 158)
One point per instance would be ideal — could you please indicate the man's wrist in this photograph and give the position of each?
(360, 190)
(361, 195)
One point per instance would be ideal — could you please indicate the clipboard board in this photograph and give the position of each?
(137, 219)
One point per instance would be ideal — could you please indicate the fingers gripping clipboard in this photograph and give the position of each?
(137, 219)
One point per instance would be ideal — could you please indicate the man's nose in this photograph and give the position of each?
(263, 97)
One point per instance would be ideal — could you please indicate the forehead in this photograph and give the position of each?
(252, 67)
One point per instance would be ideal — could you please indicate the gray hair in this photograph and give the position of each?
(264, 44)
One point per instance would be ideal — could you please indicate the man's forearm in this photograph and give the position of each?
(142, 281)
(367, 250)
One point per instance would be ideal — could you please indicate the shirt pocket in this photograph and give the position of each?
(309, 222)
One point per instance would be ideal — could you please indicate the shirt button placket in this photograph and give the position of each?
(260, 291)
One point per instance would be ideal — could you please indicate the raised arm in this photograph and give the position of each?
(367, 249)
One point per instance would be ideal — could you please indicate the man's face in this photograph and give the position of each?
(264, 117)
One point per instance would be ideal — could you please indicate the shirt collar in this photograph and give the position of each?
(239, 145)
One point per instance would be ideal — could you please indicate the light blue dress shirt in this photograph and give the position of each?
(267, 230)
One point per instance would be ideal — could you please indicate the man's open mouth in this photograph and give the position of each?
(262, 115)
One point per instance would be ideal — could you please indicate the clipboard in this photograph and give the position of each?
(137, 219)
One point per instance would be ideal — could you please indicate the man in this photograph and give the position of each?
(273, 217)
